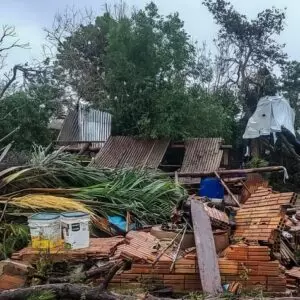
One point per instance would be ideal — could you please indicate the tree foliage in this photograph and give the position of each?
(145, 70)
(291, 86)
(248, 49)
(30, 112)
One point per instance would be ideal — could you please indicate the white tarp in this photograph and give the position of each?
(272, 112)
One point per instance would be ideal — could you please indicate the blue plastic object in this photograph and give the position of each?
(211, 187)
(120, 223)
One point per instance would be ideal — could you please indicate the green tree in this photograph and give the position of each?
(248, 49)
(145, 70)
(30, 112)
(291, 87)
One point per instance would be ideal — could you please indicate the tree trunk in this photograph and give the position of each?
(61, 291)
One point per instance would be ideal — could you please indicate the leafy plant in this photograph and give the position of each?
(44, 264)
(45, 295)
(257, 162)
(153, 79)
(56, 169)
(146, 194)
(13, 237)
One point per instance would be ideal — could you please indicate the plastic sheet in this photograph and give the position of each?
(271, 114)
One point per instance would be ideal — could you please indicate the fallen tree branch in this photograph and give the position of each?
(61, 291)
(71, 291)
(111, 274)
(100, 271)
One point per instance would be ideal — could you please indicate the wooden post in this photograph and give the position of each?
(178, 249)
(227, 189)
(176, 177)
(127, 221)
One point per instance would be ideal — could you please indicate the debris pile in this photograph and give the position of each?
(208, 245)
(254, 259)
(262, 215)
(253, 267)
(147, 270)
(99, 249)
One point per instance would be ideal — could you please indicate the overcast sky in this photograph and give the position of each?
(31, 16)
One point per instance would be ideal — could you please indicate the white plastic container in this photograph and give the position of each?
(75, 227)
(45, 230)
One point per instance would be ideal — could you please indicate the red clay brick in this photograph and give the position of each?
(152, 276)
(174, 277)
(8, 282)
(192, 277)
(192, 287)
(185, 271)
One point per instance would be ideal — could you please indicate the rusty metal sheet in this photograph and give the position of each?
(85, 125)
(202, 155)
(125, 151)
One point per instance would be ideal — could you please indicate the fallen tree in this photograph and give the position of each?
(61, 291)
(71, 291)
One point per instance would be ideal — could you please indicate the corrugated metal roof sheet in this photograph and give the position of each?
(86, 125)
(202, 155)
(125, 151)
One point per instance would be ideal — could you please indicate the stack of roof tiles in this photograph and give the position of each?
(217, 218)
(261, 215)
(252, 266)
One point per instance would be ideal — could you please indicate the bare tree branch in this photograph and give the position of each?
(27, 73)
(8, 41)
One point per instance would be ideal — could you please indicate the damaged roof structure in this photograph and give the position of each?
(195, 155)
(126, 151)
(85, 127)
(201, 245)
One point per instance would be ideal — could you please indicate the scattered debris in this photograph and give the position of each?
(253, 243)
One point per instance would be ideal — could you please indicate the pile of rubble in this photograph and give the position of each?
(261, 252)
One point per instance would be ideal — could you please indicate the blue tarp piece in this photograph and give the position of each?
(120, 223)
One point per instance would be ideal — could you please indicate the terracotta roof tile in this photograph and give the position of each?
(294, 272)
(141, 247)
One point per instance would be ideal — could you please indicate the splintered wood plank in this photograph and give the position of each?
(206, 250)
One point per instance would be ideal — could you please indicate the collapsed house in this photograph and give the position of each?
(248, 240)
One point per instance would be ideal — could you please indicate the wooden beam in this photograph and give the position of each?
(237, 172)
(206, 250)
(234, 180)
(177, 146)
(170, 166)
(226, 147)
(77, 142)
(228, 190)
(245, 186)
